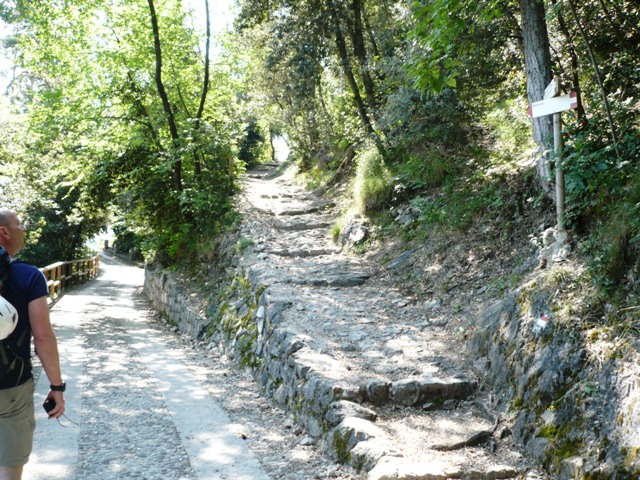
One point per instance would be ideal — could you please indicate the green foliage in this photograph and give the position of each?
(372, 187)
(96, 138)
(87, 80)
(252, 147)
(603, 192)
(128, 242)
(334, 231)
(412, 120)
(242, 244)
(57, 227)
(454, 209)
(614, 243)
(595, 176)
(445, 33)
(16, 167)
(420, 173)
(52, 202)
(510, 130)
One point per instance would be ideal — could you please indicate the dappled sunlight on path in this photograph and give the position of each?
(141, 413)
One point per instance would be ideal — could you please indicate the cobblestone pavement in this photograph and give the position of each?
(144, 403)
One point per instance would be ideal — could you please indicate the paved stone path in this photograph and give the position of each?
(357, 334)
(141, 413)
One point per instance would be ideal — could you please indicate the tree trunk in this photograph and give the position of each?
(596, 69)
(348, 71)
(537, 59)
(631, 28)
(353, 84)
(272, 135)
(345, 168)
(372, 38)
(360, 52)
(142, 110)
(205, 86)
(615, 27)
(175, 137)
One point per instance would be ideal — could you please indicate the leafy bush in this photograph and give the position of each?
(128, 241)
(420, 172)
(613, 246)
(603, 191)
(373, 187)
(595, 176)
(411, 119)
(510, 131)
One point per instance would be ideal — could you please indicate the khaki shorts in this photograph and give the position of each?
(17, 424)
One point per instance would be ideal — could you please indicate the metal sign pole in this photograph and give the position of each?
(557, 146)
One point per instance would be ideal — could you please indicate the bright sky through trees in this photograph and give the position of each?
(5, 62)
(220, 11)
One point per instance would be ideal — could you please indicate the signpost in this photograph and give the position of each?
(552, 104)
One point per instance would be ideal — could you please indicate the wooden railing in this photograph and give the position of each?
(61, 275)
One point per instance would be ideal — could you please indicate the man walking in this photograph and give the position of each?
(26, 289)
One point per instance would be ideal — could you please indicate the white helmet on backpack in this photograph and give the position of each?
(8, 318)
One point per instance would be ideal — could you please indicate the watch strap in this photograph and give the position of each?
(58, 388)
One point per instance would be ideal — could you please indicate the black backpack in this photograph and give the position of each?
(12, 365)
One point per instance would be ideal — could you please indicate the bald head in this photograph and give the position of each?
(11, 232)
(6, 216)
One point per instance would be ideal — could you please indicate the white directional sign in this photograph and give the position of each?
(553, 105)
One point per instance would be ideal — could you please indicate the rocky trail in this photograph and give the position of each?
(379, 380)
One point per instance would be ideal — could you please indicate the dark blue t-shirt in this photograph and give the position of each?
(26, 283)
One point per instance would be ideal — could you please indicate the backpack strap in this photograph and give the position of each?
(13, 366)
(4, 345)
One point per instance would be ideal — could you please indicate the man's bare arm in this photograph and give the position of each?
(46, 345)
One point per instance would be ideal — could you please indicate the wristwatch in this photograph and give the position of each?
(58, 388)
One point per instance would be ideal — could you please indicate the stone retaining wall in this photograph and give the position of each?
(167, 297)
(573, 412)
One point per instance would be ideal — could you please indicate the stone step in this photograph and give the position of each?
(305, 210)
(303, 253)
(265, 166)
(396, 468)
(343, 281)
(359, 368)
(303, 225)
(369, 447)
(293, 211)
(324, 271)
(425, 390)
(277, 195)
